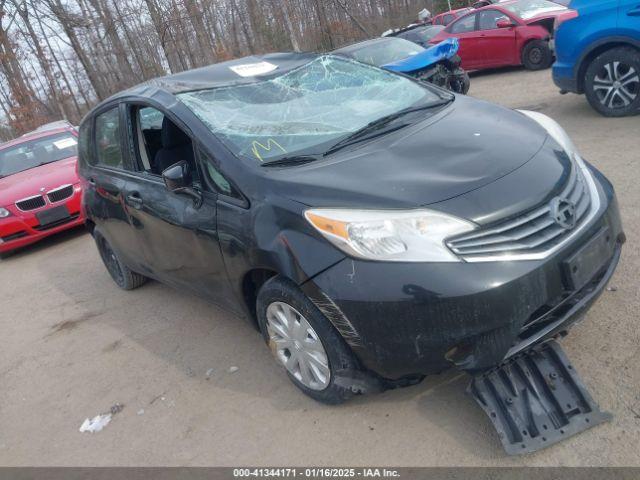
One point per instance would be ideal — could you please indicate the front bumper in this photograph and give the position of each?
(405, 319)
(564, 78)
(23, 228)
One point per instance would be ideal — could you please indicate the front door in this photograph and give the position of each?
(178, 234)
(108, 180)
(498, 44)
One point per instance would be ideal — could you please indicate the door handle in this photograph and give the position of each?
(91, 181)
(134, 200)
(634, 12)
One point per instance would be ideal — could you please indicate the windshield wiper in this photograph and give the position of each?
(376, 125)
(291, 161)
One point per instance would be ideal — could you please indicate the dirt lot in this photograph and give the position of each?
(72, 345)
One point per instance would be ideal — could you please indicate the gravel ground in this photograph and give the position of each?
(73, 345)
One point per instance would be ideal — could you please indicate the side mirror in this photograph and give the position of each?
(177, 178)
(504, 23)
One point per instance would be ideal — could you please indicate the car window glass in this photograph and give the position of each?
(148, 131)
(448, 19)
(387, 51)
(464, 25)
(33, 153)
(221, 184)
(305, 110)
(488, 20)
(108, 146)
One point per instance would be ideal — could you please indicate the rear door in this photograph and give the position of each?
(465, 30)
(498, 45)
(107, 181)
(179, 237)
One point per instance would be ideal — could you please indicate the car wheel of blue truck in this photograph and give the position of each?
(612, 82)
(536, 55)
(302, 340)
(124, 277)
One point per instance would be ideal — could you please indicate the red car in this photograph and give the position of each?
(39, 187)
(447, 17)
(506, 33)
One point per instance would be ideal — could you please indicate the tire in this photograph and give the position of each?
(339, 360)
(5, 255)
(536, 55)
(460, 83)
(124, 277)
(612, 82)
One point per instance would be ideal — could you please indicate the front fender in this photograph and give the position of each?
(272, 235)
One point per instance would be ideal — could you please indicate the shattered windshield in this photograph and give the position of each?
(33, 153)
(527, 9)
(304, 111)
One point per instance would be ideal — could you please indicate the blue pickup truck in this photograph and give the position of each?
(598, 54)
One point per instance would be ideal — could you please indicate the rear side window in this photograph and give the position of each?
(448, 19)
(464, 25)
(107, 135)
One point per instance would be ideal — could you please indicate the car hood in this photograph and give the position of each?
(31, 182)
(445, 49)
(559, 13)
(462, 148)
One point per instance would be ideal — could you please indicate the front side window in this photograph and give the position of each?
(526, 9)
(488, 20)
(40, 151)
(464, 25)
(303, 111)
(107, 135)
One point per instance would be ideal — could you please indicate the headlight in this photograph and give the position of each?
(4, 212)
(554, 129)
(390, 235)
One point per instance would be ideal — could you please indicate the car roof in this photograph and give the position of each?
(222, 74)
(35, 135)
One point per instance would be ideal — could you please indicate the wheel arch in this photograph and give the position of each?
(251, 283)
(597, 49)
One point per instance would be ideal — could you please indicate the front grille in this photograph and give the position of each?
(533, 232)
(31, 203)
(14, 236)
(60, 194)
(49, 226)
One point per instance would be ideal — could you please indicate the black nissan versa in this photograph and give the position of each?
(375, 229)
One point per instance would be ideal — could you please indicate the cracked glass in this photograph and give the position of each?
(305, 110)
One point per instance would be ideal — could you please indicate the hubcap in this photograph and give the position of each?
(617, 85)
(535, 56)
(297, 346)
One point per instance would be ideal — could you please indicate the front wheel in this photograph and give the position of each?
(460, 83)
(612, 82)
(304, 342)
(536, 55)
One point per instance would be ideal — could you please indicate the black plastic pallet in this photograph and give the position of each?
(536, 399)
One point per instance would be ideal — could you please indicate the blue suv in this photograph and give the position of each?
(598, 54)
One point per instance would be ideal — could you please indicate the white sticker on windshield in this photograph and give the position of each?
(253, 69)
(65, 143)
